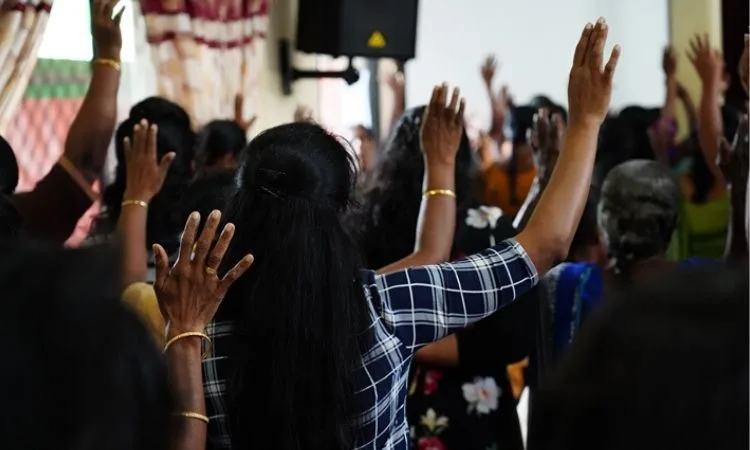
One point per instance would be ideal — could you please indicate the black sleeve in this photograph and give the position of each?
(503, 338)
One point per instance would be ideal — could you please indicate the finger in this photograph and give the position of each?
(138, 137)
(151, 137)
(165, 163)
(706, 42)
(98, 7)
(454, 102)
(207, 237)
(597, 44)
(461, 110)
(611, 66)
(579, 56)
(217, 254)
(107, 8)
(434, 99)
(126, 148)
(442, 94)
(161, 263)
(187, 240)
(235, 273)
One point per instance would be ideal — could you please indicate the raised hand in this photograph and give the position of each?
(488, 69)
(190, 292)
(396, 83)
(144, 174)
(106, 29)
(744, 63)
(590, 86)
(708, 62)
(546, 136)
(303, 114)
(442, 126)
(669, 62)
(734, 159)
(239, 114)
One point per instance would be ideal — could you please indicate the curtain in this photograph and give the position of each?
(206, 52)
(22, 25)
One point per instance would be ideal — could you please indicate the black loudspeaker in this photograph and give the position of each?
(368, 28)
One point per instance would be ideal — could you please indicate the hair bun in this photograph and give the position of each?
(8, 168)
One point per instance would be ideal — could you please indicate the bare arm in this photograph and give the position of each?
(186, 382)
(396, 82)
(91, 131)
(551, 227)
(441, 134)
(710, 66)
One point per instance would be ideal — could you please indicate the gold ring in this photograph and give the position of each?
(210, 271)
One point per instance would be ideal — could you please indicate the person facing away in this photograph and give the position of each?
(663, 364)
(86, 374)
(219, 145)
(637, 214)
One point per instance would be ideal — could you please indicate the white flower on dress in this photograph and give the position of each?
(483, 217)
(432, 423)
(482, 395)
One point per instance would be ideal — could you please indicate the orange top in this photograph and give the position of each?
(497, 188)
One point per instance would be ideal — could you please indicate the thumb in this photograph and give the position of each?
(166, 162)
(161, 262)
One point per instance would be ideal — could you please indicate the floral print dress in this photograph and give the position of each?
(471, 406)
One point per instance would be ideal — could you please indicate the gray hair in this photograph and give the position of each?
(638, 211)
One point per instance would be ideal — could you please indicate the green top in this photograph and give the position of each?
(702, 231)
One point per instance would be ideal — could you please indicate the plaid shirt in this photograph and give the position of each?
(408, 309)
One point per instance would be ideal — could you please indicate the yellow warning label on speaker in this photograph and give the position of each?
(377, 40)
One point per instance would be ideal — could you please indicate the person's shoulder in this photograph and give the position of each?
(141, 298)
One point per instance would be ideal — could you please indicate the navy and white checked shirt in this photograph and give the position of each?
(408, 309)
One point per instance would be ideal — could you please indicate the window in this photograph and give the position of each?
(68, 33)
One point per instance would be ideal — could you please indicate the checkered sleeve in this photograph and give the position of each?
(423, 304)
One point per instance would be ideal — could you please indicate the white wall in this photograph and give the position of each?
(534, 40)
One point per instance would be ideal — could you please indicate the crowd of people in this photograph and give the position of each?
(283, 293)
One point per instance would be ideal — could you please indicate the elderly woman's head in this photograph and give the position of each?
(638, 212)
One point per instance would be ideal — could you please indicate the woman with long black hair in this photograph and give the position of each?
(311, 352)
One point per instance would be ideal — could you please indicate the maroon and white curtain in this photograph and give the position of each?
(206, 52)
(22, 25)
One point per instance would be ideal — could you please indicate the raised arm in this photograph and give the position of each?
(52, 210)
(499, 103)
(145, 177)
(547, 135)
(440, 136)
(423, 304)
(550, 229)
(709, 64)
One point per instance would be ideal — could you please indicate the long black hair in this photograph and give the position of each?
(165, 218)
(299, 313)
(391, 197)
(86, 374)
(10, 221)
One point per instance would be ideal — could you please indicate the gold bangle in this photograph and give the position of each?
(191, 334)
(108, 62)
(434, 192)
(140, 203)
(192, 415)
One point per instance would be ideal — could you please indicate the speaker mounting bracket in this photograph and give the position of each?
(290, 74)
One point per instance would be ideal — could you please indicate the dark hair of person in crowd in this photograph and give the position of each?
(638, 212)
(392, 194)
(212, 191)
(585, 244)
(522, 119)
(165, 217)
(10, 221)
(219, 145)
(85, 374)
(640, 120)
(616, 145)
(296, 310)
(662, 365)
